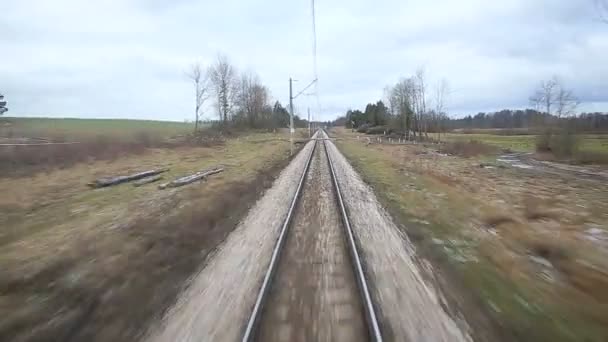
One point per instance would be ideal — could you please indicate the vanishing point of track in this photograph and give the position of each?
(316, 261)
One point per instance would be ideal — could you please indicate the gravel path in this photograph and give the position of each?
(314, 296)
(219, 299)
(409, 308)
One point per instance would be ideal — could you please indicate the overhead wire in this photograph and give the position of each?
(314, 57)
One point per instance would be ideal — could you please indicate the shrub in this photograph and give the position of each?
(564, 144)
(378, 130)
(543, 142)
(561, 143)
(363, 128)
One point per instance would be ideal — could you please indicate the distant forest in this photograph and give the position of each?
(529, 118)
(377, 114)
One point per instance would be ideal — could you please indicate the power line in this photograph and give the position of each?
(314, 55)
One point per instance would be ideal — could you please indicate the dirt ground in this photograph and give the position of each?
(314, 296)
(531, 243)
(100, 265)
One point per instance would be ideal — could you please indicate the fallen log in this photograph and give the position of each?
(191, 178)
(109, 181)
(147, 180)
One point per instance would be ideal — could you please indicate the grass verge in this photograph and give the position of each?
(516, 244)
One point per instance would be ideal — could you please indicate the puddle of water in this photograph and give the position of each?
(514, 160)
(522, 166)
(596, 234)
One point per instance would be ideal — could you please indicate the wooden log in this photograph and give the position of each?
(109, 181)
(191, 178)
(147, 180)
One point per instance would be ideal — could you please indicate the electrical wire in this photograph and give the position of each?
(314, 57)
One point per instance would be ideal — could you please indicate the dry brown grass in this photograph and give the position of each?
(533, 215)
(99, 265)
(538, 209)
(495, 220)
(23, 160)
(125, 280)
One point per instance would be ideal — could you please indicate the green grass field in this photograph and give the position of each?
(82, 128)
(526, 143)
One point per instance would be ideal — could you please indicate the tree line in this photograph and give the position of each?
(528, 118)
(554, 107)
(409, 108)
(239, 99)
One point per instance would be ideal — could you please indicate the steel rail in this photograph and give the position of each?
(370, 312)
(254, 318)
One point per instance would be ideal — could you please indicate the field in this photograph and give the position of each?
(597, 143)
(78, 129)
(30, 145)
(529, 245)
(100, 264)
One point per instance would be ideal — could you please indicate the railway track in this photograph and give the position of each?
(315, 288)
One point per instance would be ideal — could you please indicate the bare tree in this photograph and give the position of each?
(566, 103)
(253, 98)
(401, 101)
(554, 99)
(544, 97)
(557, 137)
(421, 101)
(441, 93)
(200, 86)
(390, 100)
(225, 86)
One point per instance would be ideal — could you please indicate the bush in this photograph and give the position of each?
(561, 143)
(363, 128)
(543, 142)
(379, 130)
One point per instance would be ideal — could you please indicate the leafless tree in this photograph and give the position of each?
(544, 97)
(390, 100)
(401, 101)
(224, 85)
(200, 87)
(441, 93)
(420, 94)
(253, 98)
(566, 103)
(554, 99)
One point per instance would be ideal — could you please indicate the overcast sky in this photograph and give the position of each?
(127, 58)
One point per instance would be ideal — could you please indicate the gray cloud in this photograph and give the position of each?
(126, 58)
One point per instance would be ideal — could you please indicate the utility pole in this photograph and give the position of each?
(309, 132)
(291, 98)
(291, 128)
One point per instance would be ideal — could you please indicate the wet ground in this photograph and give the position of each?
(526, 161)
